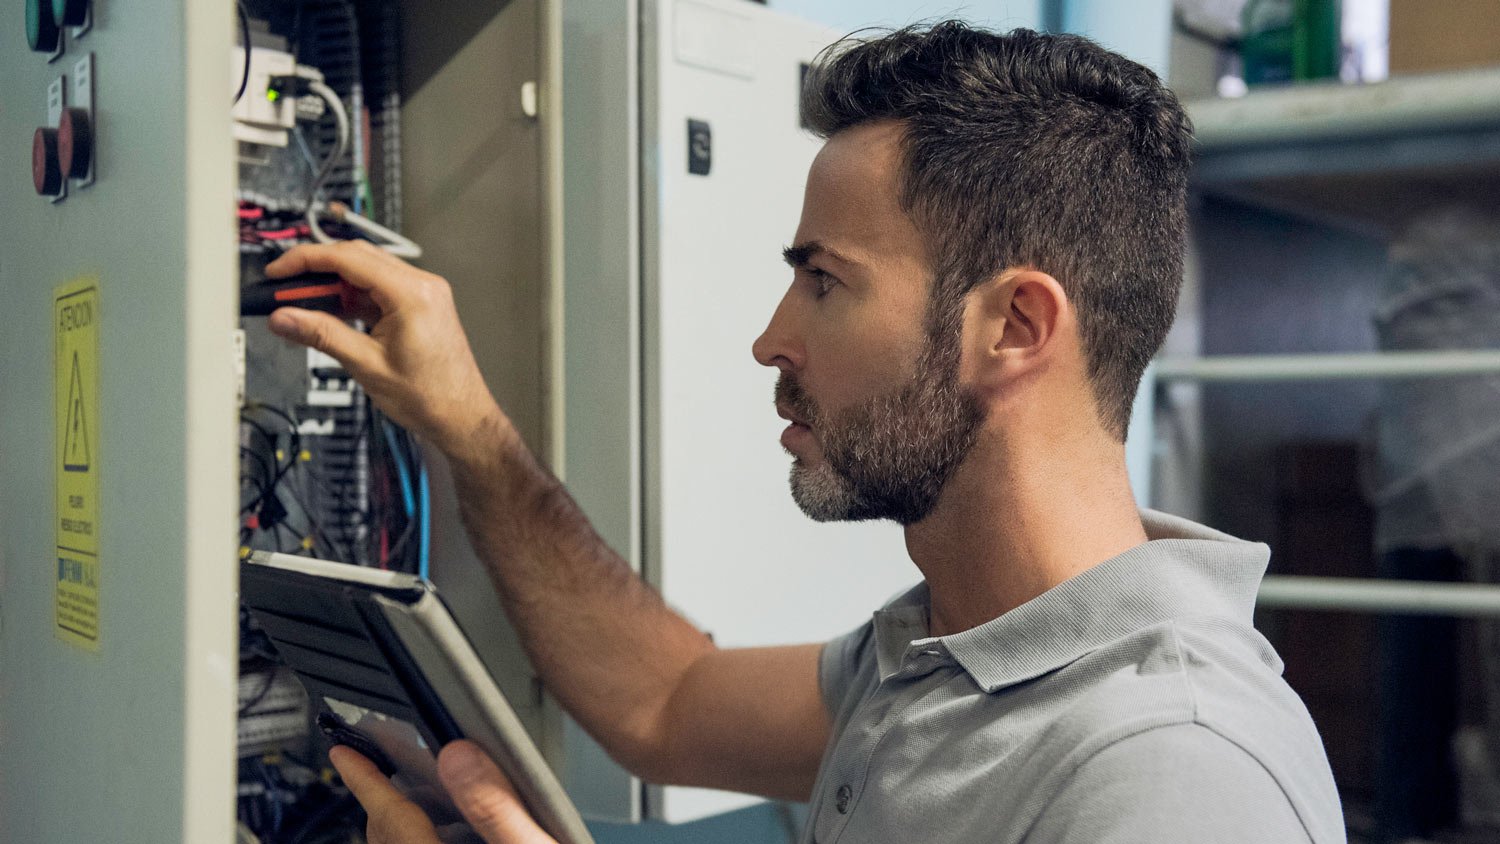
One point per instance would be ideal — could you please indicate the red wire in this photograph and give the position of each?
(385, 536)
(284, 234)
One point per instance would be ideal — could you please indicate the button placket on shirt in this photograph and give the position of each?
(841, 798)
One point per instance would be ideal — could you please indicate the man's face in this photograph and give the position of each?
(879, 419)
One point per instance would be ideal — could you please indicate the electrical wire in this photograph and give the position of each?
(399, 546)
(393, 242)
(265, 465)
(260, 694)
(244, 40)
(357, 103)
(345, 550)
(402, 473)
(278, 811)
(405, 457)
(267, 490)
(270, 486)
(424, 525)
(312, 823)
(341, 145)
(345, 554)
(279, 413)
(343, 497)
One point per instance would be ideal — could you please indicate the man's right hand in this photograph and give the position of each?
(415, 363)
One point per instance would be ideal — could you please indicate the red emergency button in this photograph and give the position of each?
(46, 170)
(75, 143)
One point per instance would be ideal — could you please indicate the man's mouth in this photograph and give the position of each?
(786, 413)
(798, 435)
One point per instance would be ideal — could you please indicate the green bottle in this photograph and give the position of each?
(1317, 40)
(1290, 40)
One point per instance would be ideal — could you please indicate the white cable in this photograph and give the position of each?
(392, 242)
(341, 117)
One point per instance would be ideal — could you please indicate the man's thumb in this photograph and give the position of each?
(485, 797)
(328, 334)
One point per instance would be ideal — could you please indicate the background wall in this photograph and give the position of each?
(1140, 29)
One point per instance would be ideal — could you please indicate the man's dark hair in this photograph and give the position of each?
(1031, 150)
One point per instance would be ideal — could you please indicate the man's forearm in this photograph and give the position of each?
(603, 641)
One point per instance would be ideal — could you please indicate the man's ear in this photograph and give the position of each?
(1010, 323)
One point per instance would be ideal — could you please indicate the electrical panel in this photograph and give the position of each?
(322, 472)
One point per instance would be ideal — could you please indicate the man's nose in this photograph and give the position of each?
(778, 345)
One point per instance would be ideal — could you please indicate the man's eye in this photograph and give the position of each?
(822, 281)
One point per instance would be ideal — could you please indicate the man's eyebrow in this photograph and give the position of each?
(800, 254)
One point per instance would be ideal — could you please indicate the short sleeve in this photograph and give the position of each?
(1181, 783)
(838, 668)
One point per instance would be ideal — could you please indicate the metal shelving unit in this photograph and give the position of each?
(1366, 159)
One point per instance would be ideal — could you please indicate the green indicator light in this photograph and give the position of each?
(272, 94)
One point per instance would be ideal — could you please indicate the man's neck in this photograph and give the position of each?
(1015, 521)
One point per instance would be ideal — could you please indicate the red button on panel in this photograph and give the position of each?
(75, 142)
(46, 169)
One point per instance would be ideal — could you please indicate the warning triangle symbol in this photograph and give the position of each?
(76, 438)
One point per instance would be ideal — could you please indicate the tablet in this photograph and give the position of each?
(380, 655)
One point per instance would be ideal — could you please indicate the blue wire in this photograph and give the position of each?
(405, 477)
(415, 509)
(424, 527)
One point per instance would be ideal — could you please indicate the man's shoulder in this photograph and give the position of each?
(1178, 782)
(1192, 670)
(1205, 692)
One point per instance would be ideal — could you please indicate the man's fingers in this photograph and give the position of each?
(357, 351)
(485, 797)
(371, 788)
(358, 262)
(393, 818)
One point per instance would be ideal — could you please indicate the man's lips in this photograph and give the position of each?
(785, 413)
(797, 433)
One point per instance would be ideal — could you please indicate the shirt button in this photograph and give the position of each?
(841, 800)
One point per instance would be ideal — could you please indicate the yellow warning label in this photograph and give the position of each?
(76, 415)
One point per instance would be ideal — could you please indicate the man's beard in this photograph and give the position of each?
(890, 456)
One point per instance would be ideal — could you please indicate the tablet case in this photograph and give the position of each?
(384, 641)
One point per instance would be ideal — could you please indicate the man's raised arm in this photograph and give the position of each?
(649, 686)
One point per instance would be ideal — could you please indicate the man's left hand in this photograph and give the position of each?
(480, 791)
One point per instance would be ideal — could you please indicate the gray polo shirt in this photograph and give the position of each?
(1132, 703)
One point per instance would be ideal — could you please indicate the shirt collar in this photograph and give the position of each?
(1184, 569)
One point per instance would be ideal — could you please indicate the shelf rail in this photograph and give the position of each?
(1322, 367)
(1368, 595)
(1349, 594)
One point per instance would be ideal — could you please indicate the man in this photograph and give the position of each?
(989, 254)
